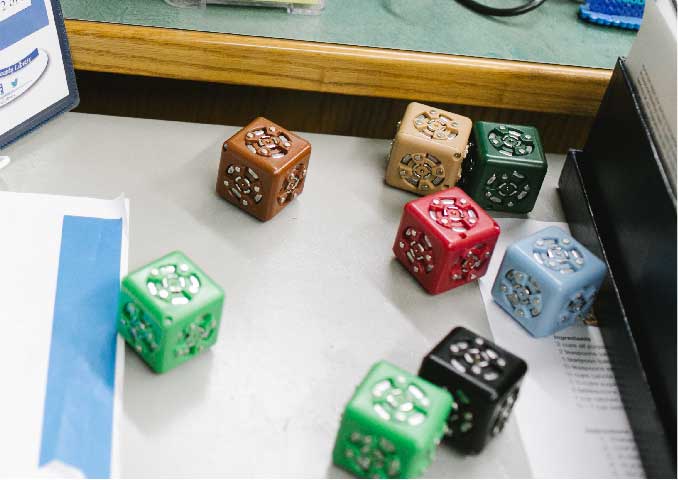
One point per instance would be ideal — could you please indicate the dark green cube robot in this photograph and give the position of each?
(506, 168)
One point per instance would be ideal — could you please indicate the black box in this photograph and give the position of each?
(619, 204)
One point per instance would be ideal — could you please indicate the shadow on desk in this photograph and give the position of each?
(188, 101)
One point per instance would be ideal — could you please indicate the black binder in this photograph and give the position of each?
(619, 203)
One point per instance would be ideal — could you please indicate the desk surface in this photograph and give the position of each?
(314, 297)
(551, 34)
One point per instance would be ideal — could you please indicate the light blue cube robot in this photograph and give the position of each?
(548, 281)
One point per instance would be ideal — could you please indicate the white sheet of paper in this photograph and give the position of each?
(569, 413)
(30, 240)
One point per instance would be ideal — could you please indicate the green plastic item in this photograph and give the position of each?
(506, 167)
(169, 311)
(392, 425)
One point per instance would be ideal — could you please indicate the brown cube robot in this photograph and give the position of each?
(263, 168)
(428, 150)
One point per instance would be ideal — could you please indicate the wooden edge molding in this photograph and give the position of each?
(330, 68)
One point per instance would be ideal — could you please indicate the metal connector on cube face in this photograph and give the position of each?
(169, 311)
(391, 424)
(445, 240)
(427, 151)
(506, 167)
(548, 281)
(484, 380)
(263, 168)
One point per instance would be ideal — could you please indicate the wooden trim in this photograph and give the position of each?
(322, 67)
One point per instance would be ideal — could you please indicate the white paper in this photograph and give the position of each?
(652, 66)
(30, 240)
(569, 414)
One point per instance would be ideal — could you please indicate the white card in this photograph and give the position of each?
(36, 73)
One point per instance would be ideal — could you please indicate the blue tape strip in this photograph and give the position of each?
(78, 417)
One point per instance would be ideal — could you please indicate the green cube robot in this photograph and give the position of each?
(392, 425)
(169, 311)
(506, 167)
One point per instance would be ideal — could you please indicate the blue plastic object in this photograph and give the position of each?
(614, 13)
(548, 281)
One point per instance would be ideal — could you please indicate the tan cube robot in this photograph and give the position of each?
(428, 150)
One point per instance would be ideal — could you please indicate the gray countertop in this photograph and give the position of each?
(313, 297)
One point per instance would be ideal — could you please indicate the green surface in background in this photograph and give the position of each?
(550, 34)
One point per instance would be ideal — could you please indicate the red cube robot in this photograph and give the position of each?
(445, 240)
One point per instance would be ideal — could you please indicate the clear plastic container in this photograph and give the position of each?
(304, 7)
